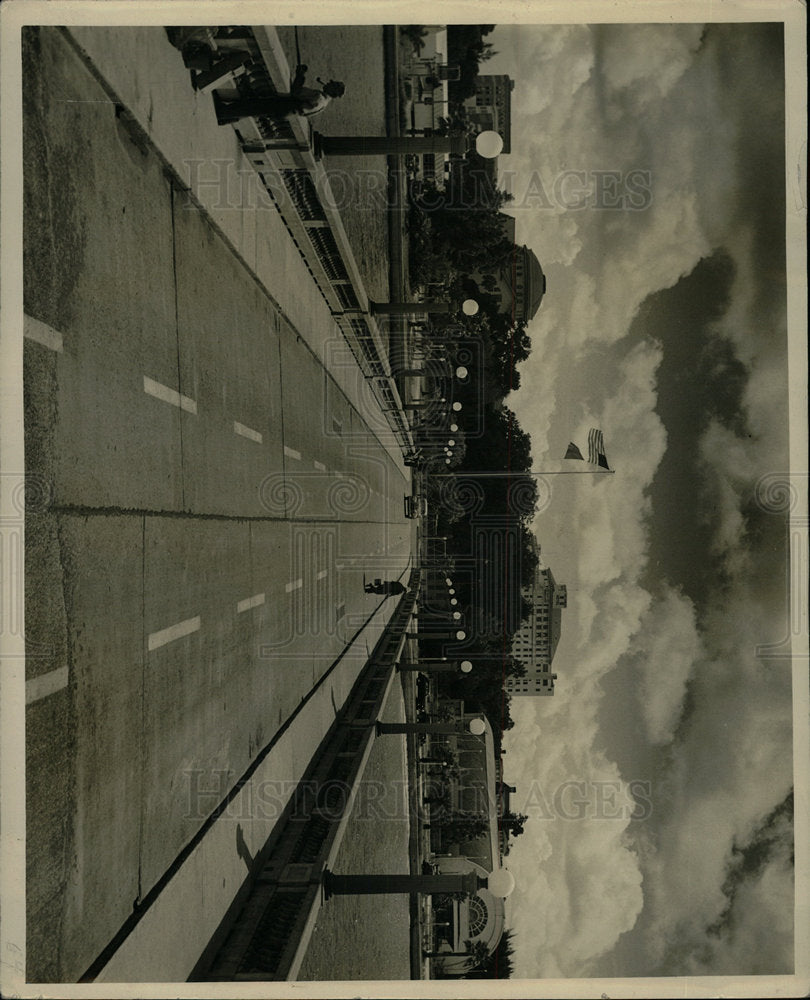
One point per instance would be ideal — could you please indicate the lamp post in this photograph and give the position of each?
(476, 726)
(500, 883)
(487, 144)
(434, 667)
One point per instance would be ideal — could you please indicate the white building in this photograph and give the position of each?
(535, 643)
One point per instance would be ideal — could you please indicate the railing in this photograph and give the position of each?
(269, 938)
(281, 153)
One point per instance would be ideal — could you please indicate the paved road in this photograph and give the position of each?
(204, 501)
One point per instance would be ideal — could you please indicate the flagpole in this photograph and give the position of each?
(528, 472)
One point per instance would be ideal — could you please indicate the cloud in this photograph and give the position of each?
(664, 652)
(729, 768)
(578, 883)
(647, 60)
(598, 99)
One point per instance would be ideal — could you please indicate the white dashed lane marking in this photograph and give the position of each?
(249, 602)
(45, 684)
(157, 639)
(160, 391)
(41, 333)
(294, 585)
(292, 453)
(247, 432)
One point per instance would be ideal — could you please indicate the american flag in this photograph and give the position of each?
(596, 450)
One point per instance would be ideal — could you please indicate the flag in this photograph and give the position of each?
(596, 450)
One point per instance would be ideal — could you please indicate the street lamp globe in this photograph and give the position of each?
(457, 406)
(448, 581)
(453, 601)
(477, 727)
(469, 307)
(466, 666)
(461, 372)
(454, 427)
(456, 615)
(461, 634)
(488, 144)
(501, 883)
(452, 442)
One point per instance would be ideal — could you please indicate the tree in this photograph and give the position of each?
(416, 35)
(461, 827)
(513, 822)
(498, 964)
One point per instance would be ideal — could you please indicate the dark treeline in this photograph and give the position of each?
(466, 48)
(460, 248)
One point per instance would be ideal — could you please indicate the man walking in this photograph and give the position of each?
(301, 100)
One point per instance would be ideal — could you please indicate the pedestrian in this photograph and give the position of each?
(387, 587)
(301, 100)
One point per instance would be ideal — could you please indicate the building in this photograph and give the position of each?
(519, 281)
(491, 107)
(535, 643)
(476, 790)
(425, 80)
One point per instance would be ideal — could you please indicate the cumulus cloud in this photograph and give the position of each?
(664, 652)
(578, 882)
(663, 99)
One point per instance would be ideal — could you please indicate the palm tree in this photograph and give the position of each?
(497, 964)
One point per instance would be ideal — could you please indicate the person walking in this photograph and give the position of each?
(301, 100)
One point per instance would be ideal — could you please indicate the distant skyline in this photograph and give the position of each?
(664, 324)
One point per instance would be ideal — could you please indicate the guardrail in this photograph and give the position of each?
(268, 939)
(281, 153)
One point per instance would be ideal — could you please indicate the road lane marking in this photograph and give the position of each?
(320, 466)
(249, 602)
(45, 684)
(157, 639)
(294, 585)
(322, 575)
(160, 391)
(292, 453)
(247, 432)
(41, 333)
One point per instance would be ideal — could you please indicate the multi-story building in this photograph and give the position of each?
(491, 107)
(535, 643)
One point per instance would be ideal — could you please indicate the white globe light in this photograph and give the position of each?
(469, 307)
(448, 581)
(461, 372)
(451, 590)
(488, 144)
(501, 883)
(478, 728)
(453, 601)
(447, 461)
(454, 427)
(457, 615)
(457, 407)
(452, 442)
(461, 634)
(466, 666)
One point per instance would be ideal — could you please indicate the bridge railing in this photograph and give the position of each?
(281, 153)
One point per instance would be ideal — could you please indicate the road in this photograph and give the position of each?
(204, 499)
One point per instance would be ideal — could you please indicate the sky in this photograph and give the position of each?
(658, 779)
